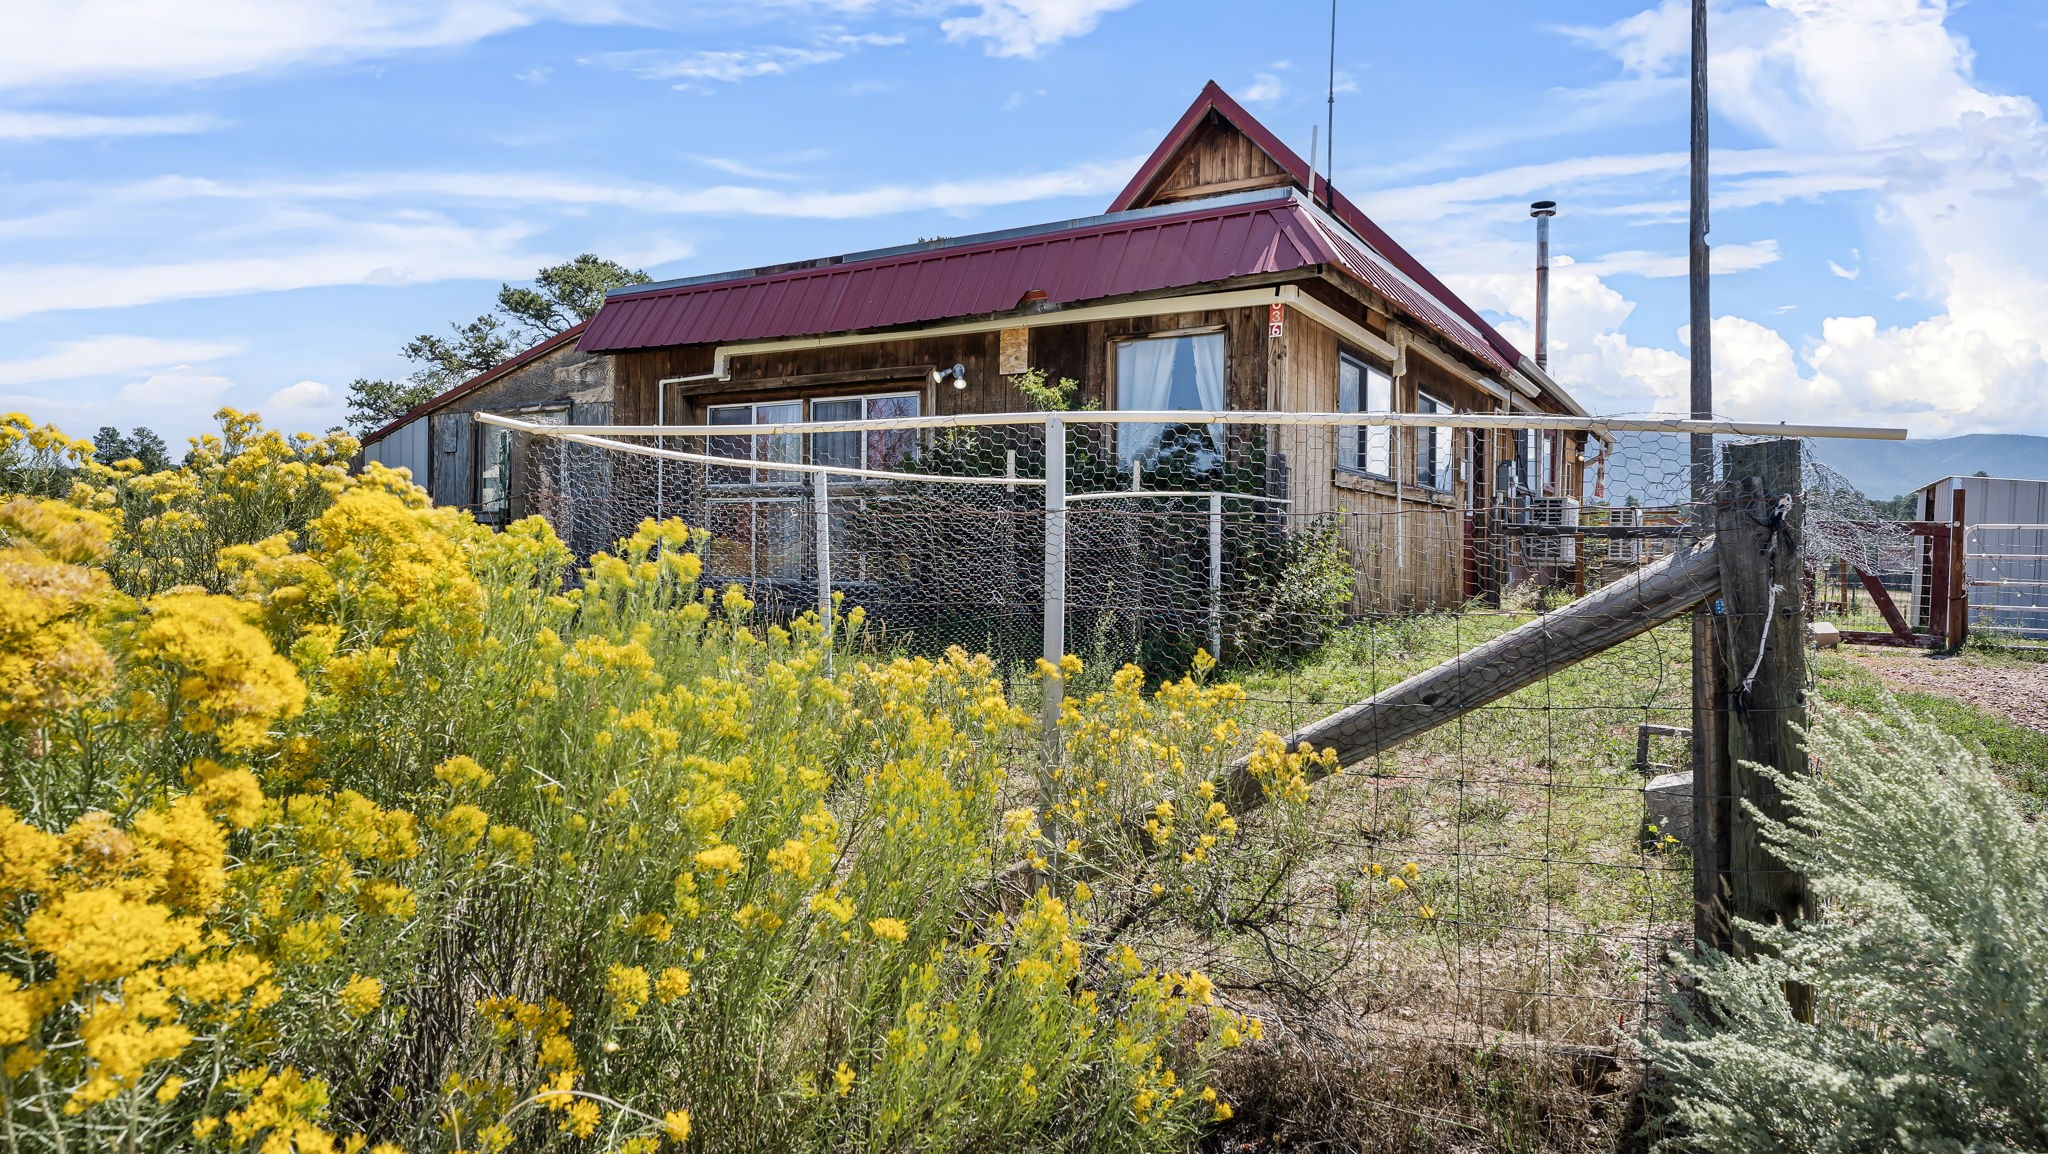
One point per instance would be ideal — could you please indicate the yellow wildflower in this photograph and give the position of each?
(675, 1126)
(673, 984)
(360, 996)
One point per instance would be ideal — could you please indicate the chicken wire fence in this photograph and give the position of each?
(1323, 559)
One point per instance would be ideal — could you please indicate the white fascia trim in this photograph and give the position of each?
(1406, 339)
(1346, 329)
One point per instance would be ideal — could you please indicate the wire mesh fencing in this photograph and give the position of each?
(1512, 876)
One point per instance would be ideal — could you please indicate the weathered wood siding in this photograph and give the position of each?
(1084, 352)
(1406, 542)
(1217, 159)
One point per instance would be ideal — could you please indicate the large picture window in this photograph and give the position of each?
(1364, 388)
(1160, 374)
(1434, 455)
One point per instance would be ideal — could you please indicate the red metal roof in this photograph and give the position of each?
(478, 381)
(1129, 253)
(1213, 98)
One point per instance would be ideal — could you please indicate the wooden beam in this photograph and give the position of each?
(918, 373)
(1224, 187)
(1882, 598)
(1518, 658)
(1763, 662)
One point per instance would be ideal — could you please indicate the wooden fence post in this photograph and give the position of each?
(1958, 576)
(1762, 630)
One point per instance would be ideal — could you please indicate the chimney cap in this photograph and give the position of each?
(1543, 208)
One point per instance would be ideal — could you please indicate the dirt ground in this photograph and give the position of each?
(2014, 690)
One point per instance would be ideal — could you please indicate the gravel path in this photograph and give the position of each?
(2019, 692)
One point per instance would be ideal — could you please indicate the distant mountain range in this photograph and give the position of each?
(1882, 469)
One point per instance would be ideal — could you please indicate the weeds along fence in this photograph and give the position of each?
(1322, 558)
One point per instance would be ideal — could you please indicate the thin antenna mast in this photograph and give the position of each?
(1330, 129)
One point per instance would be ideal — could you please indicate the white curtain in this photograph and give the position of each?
(1144, 381)
(1208, 352)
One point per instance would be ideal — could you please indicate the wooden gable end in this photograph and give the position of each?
(1215, 159)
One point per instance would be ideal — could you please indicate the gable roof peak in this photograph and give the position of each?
(1285, 162)
(1287, 166)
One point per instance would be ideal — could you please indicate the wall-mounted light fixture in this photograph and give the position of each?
(958, 373)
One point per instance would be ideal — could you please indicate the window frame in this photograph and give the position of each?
(1432, 441)
(807, 452)
(1216, 436)
(1354, 452)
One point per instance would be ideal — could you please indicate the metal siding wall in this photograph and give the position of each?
(2022, 602)
(405, 448)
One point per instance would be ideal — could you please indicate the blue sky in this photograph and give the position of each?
(252, 202)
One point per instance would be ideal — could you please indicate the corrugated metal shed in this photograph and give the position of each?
(2008, 567)
(1111, 256)
(403, 447)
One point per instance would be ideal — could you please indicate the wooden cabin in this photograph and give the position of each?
(1224, 276)
(478, 467)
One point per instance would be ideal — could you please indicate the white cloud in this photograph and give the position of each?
(1265, 90)
(299, 396)
(18, 124)
(1867, 104)
(77, 42)
(578, 192)
(1726, 259)
(1028, 27)
(179, 386)
(730, 66)
(376, 253)
(108, 355)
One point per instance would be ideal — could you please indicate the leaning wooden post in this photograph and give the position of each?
(1763, 663)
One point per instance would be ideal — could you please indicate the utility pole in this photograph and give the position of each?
(1710, 777)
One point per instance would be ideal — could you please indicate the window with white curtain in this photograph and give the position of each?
(1364, 388)
(1161, 374)
(1434, 456)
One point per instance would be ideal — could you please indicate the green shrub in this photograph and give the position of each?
(1929, 967)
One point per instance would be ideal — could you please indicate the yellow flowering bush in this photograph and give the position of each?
(332, 821)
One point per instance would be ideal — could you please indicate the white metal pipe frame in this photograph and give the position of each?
(1054, 484)
(1504, 421)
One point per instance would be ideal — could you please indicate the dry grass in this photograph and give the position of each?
(1491, 1002)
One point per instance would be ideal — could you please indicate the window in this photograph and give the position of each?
(1364, 388)
(1433, 453)
(1158, 374)
(1535, 454)
(771, 447)
(495, 480)
(760, 532)
(873, 449)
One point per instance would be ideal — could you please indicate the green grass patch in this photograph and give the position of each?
(2018, 754)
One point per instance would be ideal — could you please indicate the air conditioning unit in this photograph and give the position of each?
(1625, 550)
(1546, 549)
